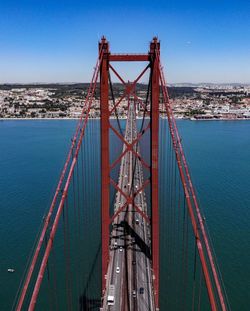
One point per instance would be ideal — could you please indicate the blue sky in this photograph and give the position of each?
(56, 41)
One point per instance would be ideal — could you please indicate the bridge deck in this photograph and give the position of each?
(130, 264)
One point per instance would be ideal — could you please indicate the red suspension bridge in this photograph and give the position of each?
(144, 244)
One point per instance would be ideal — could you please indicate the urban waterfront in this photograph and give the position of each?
(32, 154)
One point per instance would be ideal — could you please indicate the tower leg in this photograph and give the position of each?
(154, 165)
(104, 87)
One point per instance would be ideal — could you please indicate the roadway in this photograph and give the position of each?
(129, 267)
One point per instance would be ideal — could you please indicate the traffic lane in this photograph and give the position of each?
(143, 263)
(118, 276)
(114, 277)
(141, 275)
(120, 264)
(143, 281)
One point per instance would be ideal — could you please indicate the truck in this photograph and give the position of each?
(111, 295)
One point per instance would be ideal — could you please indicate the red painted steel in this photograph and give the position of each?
(118, 102)
(117, 74)
(145, 216)
(104, 106)
(128, 148)
(119, 135)
(126, 196)
(129, 57)
(155, 88)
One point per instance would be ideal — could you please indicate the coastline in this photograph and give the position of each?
(222, 119)
(98, 118)
(31, 119)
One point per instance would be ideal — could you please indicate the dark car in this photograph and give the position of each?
(141, 291)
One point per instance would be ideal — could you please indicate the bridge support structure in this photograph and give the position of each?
(152, 59)
(154, 142)
(105, 197)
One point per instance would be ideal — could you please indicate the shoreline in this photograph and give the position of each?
(225, 119)
(98, 118)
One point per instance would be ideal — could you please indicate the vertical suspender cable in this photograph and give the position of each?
(194, 277)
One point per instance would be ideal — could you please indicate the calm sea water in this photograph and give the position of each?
(32, 154)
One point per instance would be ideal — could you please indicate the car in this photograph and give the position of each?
(120, 249)
(111, 295)
(117, 270)
(141, 290)
(134, 293)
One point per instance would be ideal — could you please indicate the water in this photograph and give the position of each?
(218, 154)
(32, 154)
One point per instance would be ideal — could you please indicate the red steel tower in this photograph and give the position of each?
(152, 63)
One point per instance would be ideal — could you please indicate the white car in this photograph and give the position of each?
(117, 270)
(120, 249)
(134, 293)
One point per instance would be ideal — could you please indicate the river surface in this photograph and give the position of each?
(32, 154)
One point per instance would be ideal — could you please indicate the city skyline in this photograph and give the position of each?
(44, 42)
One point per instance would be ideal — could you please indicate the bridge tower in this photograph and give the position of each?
(152, 59)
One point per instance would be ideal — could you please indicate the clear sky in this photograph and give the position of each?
(56, 41)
